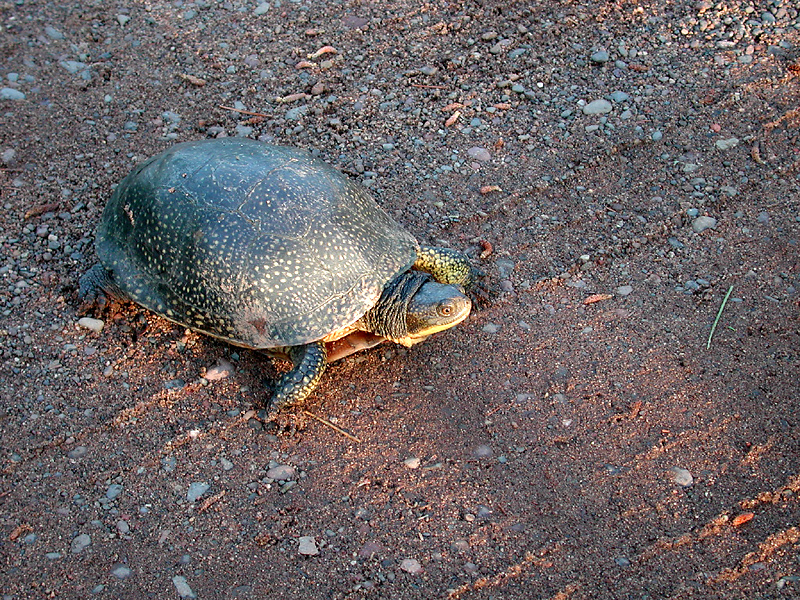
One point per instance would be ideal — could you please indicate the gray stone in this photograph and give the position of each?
(682, 477)
(307, 545)
(182, 587)
(600, 56)
(596, 107)
(53, 33)
(121, 572)
(113, 491)
(700, 224)
(80, 542)
(624, 290)
(11, 94)
(282, 473)
(726, 144)
(196, 490)
(618, 96)
(479, 154)
(262, 9)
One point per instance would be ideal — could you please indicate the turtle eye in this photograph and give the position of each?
(445, 310)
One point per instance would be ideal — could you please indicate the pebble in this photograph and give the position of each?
(182, 587)
(53, 555)
(618, 96)
(727, 144)
(479, 154)
(123, 20)
(624, 290)
(482, 451)
(196, 490)
(600, 56)
(123, 527)
(77, 452)
(412, 463)
(656, 136)
(91, 324)
(11, 94)
(53, 33)
(262, 9)
(226, 464)
(370, 549)
(121, 572)
(596, 107)
(700, 224)
(307, 545)
(682, 477)
(411, 565)
(113, 491)
(282, 473)
(80, 542)
(221, 370)
(491, 328)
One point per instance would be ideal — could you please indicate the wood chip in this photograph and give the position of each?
(452, 118)
(597, 298)
(292, 98)
(453, 106)
(313, 32)
(740, 520)
(305, 64)
(196, 81)
(488, 189)
(322, 51)
(486, 248)
(19, 530)
(502, 106)
(41, 209)
(639, 68)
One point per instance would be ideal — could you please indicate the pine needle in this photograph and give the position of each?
(332, 426)
(719, 314)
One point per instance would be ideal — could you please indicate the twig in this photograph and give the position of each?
(332, 426)
(245, 112)
(428, 87)
(719, 314)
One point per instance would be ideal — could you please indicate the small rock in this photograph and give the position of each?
(600, 56)
(219, 371)
(11, 94)
(307, 545)
(479, 154)
(91, 324)
(196, 490)
(700, 224)
(726, 144)
(53, 33)
(618, 96)
(282, 473)
(682, 477)
(123, 527)
(113, 491)
(123, 20)
(596, 107)
(262, 9)
(657, 136)
(483, 451)
(370, 549)
(624, 290)
(53, 555)
(226, 464)
(412, 463)
(182, 587)
(8, 156)
(121, 572)
(77, 452)
(491, 328)
(80, 542)
(411, 565)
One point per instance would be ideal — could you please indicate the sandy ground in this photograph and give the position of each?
(615, 168)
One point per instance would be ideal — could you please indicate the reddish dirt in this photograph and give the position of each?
(574, 439)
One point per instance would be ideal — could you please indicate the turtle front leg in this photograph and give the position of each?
(309, 362)
(449, 266)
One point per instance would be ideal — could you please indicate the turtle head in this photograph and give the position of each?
(435, 307)
(414, 306)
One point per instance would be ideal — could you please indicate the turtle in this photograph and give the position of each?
(270, 248)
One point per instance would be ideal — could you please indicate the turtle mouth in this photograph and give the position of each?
(423, 333)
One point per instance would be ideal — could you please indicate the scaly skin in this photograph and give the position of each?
(295, 386)
(446, 266)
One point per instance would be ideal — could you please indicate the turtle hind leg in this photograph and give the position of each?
(98, 289)
(292, 388)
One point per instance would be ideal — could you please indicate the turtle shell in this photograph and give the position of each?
(260, 245)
